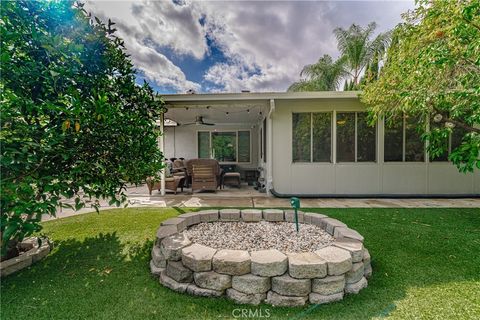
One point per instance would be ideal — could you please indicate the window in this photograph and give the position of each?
(453, 141)
(366, 139)
(322, 137)
(393, 142)
(204, 145)
(224, 146)
(302, 134)
(403, 142)
(311, 137)
(356, 140)
(243, 146)
(414, 145)
(345, 137)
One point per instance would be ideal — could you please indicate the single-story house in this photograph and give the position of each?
(310, 144)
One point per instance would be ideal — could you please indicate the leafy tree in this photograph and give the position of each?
(371, 71)
(358, 48)
(224, 146)
(73, 122)
(433, 72)
(325, 75)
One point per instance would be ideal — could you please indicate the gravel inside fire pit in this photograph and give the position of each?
(259, 236)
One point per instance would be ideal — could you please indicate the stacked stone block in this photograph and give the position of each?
(271, 276)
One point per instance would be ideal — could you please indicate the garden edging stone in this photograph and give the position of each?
(252, 277)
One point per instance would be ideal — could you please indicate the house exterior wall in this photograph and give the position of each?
(181, 141)
(378, 178)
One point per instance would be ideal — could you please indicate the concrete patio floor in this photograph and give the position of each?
(248, 197)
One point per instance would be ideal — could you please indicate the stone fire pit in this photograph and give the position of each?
(255, 256)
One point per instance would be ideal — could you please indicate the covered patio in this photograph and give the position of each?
(229, 128)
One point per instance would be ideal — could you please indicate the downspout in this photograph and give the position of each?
(161, 146)
(270, 147)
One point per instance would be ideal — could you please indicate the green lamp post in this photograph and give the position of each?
(295, 203)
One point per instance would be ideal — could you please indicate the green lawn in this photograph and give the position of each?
(426, 264)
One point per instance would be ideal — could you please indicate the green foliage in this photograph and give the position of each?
(224, 146)
(371, 72)
(433, 71)
(73, 122)
(359, 54)
(358, 49)
(325, 75)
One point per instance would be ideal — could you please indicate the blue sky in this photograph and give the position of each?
(193, 68)
(229, 46)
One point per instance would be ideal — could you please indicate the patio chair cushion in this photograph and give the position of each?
(203, 162)
(205, 176)
(231, 178)
(203, 172)
(168, 172)
(232, 174)
(179, 164)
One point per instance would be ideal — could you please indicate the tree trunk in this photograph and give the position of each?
(11, 250)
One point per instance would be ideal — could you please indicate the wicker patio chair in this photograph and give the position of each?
(205, 174)
(171, 183)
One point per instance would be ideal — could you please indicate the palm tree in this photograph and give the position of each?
(306, 85)
(358, 49)
(325, 75)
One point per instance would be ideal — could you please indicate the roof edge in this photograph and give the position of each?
(245, 96)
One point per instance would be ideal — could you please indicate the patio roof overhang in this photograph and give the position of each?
(174, 100)
(234, 108)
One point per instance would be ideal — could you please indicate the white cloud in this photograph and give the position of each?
(266, 43)
(279, 38)
(176, 26)
(147, 26)
(157, 68)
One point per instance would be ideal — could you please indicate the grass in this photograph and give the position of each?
(426, 264)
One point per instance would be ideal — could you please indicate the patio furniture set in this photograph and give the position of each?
(199, 174)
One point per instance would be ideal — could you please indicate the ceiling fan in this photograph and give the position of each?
(199, 122)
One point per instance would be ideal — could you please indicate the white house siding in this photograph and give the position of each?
(407, 178)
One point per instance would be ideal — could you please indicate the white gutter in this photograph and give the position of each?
(253, 97)
(269, 185)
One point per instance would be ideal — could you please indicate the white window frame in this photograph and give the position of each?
(356, 138)
(332, 142)
(404, 145)
(449, 150)
(236, 144)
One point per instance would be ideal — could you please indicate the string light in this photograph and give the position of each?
(228, 113)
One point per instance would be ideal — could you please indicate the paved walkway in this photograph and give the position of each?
(247, 197)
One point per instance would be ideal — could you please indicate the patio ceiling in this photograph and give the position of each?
(218, 114)
(235, 108)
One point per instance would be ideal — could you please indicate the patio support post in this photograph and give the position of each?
(161, 146)
(270, 147)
